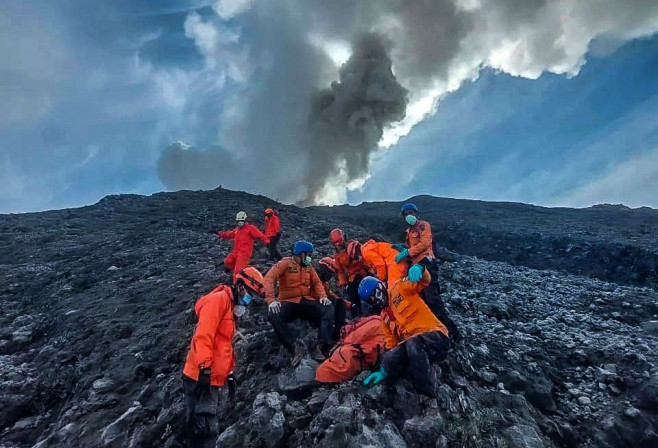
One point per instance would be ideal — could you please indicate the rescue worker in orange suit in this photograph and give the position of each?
(273, 232)
(379, 259)
(243, 236)
(414, 336)
(350, 273)
(210, 360)
(326, 271)
(301, 296)
(420, 252)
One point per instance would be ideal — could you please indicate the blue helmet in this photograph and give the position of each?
(302, 247)
(373, 295)
(409, 207)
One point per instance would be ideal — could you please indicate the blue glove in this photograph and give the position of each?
(415, 273)
(375, 377)
(399, 247)
(402, 255)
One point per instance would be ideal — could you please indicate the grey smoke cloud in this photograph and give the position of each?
(289, 56)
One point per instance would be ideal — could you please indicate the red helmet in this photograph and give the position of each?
(252, 279)
(337, 236)
(330, 264)
(353, 250)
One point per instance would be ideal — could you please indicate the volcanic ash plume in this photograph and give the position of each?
(348, 119)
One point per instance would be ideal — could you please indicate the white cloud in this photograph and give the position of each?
(228, 9)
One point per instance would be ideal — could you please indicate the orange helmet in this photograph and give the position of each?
(252, 279)
(337, 236)
(353, 250)
(330, 264)
(268, 211)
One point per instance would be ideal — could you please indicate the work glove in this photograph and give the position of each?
(231, 385)
(399, 247)
(375, 377)
(203, 383)
(324, 301)
(415, 273)
(274, 307)
(402, 255)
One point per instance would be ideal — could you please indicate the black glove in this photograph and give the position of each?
(230, 383)
(203, 383)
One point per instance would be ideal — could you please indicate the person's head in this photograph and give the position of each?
(247, 284)
(338, 239)
(410, 213)
(353, 251)
(269, 212)
(302, 251)
(326, 269)
(373, 295)
(241, 218)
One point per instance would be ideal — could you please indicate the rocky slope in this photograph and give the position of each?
(97, 314)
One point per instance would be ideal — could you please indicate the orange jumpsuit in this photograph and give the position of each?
(243, 245)
(419, 241)
(212, 341)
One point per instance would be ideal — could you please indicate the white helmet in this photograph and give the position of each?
(241, 216)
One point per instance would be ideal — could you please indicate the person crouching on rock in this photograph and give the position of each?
(350, 270)
(210, 361)
(414, 336)
(326, 271)
(301, 296)
(243, 236)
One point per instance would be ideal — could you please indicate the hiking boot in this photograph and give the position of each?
(317, 353)
(297, 353)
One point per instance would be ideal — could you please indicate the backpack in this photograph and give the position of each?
(360, 348)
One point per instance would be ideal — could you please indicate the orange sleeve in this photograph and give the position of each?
(272, 276)
(258, 234)
(425, 242)
(317, 286)
(204, 335)
(390, 341)
(342, 278)
(227, 235)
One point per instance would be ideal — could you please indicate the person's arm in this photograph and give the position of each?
(424, 281)
(425, 241)
(316, 286)
(342, 278)
(204, 335)
(390, 340)
(271, 278)
(277, 225)
(260, 235)
(227, 235)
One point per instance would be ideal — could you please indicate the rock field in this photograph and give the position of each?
(97, 315)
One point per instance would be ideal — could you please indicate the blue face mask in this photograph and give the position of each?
(246, 299)
(411, 219)
(240, 223)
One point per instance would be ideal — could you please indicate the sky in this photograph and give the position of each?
(546, 102)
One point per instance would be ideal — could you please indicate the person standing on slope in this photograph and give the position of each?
(210, 360)
(419, 252)
(273, 232)
(301, 296)
(243, 236)
(350, 272)
(414, 336)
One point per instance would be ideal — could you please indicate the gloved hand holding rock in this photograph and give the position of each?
(375, 377)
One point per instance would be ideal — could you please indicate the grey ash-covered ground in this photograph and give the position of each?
(97, 314)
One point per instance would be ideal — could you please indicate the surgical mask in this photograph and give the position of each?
(240, 223)
(307, 261)
(411, 219)
(246, 299)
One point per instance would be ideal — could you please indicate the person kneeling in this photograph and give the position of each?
(414, 335)
(210, 360)
(301, 296)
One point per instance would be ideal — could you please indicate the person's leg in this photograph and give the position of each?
(277, 253)
(437, 345)
(396, 362)
(339, 317)
(280, 321)
(322, 315)
(432, 297)
(419, 366)
(241, 262)
(229, 262)
(189, 389)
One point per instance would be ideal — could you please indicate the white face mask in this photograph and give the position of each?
(239, 311)
(240, 223)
